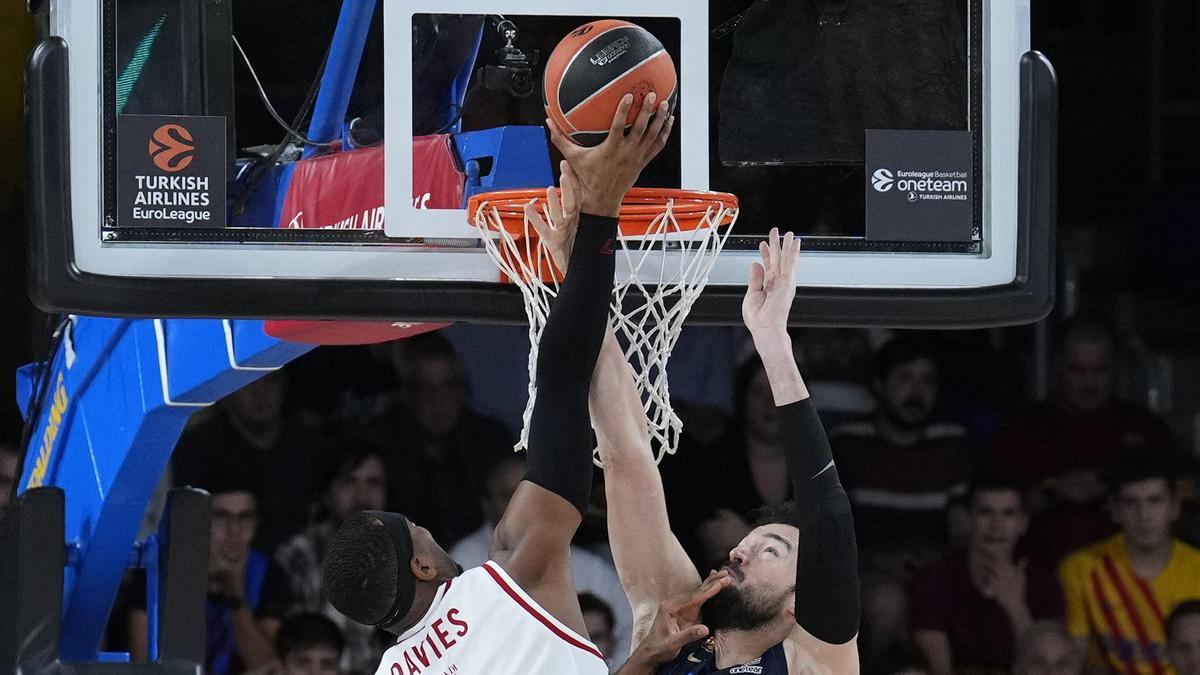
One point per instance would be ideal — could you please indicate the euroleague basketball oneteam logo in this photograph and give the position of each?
(882, 180)
(172, 148)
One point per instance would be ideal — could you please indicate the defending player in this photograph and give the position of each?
(793, 606)
(518, 613)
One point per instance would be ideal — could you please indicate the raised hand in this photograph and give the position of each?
(772, 287)
(677, 623)
(607, 171)
(557, 229)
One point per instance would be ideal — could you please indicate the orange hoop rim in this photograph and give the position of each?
(639, 208)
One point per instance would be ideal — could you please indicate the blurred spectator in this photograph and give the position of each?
(1183, 637)
(309, 644)
(599, 621)
(1119, 591)
(355, 480)
(1046, 648)
(250, 439)
(437, 447)
(1061, 448)
(837, 369)
(247, 593)
(969, 606)
(902, 467)
(752, 467)
(8, 473)
(592, 574)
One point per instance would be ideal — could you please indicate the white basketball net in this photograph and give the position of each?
(652, 296)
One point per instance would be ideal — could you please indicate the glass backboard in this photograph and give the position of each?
(911, 144)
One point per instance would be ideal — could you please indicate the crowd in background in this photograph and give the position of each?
(995, 534)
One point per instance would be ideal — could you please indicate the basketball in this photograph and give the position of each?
(594, 67)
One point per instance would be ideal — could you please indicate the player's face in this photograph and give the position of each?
(909, 392)
(763, 567)
(1184, 649)
(1050, 655)
(362, 488)
(319, 660)
(997, 520)
(1145, 511)
(1087, 374)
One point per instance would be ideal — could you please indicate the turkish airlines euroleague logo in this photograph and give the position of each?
(172, 148)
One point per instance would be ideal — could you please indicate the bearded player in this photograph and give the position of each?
(518, 613)
(793, 604)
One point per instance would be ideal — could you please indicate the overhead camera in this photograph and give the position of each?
(515, 71)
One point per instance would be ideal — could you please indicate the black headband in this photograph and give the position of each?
(399, 532)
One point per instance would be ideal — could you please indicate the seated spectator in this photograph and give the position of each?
(902, 467)
(309, 644)
(250, 439)
(599, 620)
(247, 592)
(1046, 648)
(355, 480)
(1062, 447)
(1183, 637)
(969, 607)
(592, 574)
(8, 473)
(1119, 590)
(436, 445)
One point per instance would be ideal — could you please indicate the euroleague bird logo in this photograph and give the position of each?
(882, 180)
(172, 148)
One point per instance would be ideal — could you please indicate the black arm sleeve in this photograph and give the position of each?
(827, 590)
(560, 430)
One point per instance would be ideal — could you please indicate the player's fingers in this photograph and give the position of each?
(534, 218)
(707, 590)
(794, 257)
(787, 254)
(656, 123)
(560, 140)
(673, 643)
(571, 187)
(616, 130)
(554, 208)
(773, 249)
(642, 122)
(756, 278)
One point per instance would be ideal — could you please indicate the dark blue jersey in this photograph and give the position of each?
(699, 658)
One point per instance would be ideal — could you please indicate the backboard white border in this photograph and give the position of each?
(1005, 41)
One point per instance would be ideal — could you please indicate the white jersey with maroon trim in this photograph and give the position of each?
(482, 623)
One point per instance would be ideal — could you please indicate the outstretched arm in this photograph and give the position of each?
(650, 561)
(532, 539)
(827, 590)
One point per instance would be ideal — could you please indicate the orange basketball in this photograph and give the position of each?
(594, 67)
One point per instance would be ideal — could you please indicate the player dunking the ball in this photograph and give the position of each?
(793, 602)
(518, 613)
